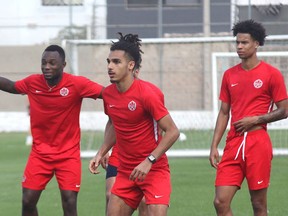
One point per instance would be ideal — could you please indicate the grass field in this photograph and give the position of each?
(192, 180)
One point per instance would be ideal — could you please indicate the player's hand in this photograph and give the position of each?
(245, 124)
(214, 157)
(104, 161)
(140, 172)
(93, 165)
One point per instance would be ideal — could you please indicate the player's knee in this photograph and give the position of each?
(27, 205)
(220, 204)
(69, 199)
(29, 200)
(108, 195)
(259, 206)
(69, 202)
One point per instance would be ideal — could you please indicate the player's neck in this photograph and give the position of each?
(124, 85)
(51, 83)
(249, 64)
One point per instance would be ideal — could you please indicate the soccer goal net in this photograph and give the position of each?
(189, 72)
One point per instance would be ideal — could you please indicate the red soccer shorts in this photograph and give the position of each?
(39, 172)
(253, 162)
(156, 187)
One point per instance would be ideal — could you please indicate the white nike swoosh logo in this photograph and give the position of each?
(77, 186)
(157, 197)
(37, 91)
(260, 182)
(111, 106)
(235, 84)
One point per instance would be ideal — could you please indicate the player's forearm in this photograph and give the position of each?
(275, 115)
(109, 139)
(103, 150)
(169, 138)
(109, 134)
(7, 85)
(220, 128)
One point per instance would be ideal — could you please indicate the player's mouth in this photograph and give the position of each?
(111, 74)
(48, 75)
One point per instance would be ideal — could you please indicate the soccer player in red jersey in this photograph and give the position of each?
(248, 91)
(135, 110)
(110, 162)
(55, 99)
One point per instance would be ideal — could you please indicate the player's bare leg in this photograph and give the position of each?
(117, 207)
(109, 184)
(259, 202)
(157, 210)
(69, 202)
(142, 208)
(223, 199)
(29, 201)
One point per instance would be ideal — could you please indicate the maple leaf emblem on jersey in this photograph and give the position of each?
(132, 105)
(64, 91)
(258, 83)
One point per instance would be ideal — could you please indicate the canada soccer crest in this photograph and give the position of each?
(258, 83)
(132, 105)
(64, 91)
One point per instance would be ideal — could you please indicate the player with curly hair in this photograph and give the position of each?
(248, 91)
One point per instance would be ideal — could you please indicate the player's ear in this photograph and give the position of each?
(256, 44)
(64, 64)
(131, 65)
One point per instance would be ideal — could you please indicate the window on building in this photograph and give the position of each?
(62, 2)
(180, 3)
(165, 3)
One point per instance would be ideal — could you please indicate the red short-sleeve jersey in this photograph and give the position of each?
(253, 92)
(54, 113)
(134, 114)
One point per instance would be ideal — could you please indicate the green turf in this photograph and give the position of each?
(192, 180)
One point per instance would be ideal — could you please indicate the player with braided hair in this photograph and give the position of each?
(136, 111)
(110, 163)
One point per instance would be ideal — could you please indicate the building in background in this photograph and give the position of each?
(50, 21)
(272, 13)
(168, 18)
(45, 21)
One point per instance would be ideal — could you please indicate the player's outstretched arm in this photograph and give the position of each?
(8, 86)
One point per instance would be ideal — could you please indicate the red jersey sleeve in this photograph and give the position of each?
(154, 103)
(87, 88)
(277, 86)
(224, 90)
(22, 86)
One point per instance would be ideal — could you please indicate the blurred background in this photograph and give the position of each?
(187, 46)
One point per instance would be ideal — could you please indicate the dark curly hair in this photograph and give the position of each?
(130, 43)
(255, 29)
